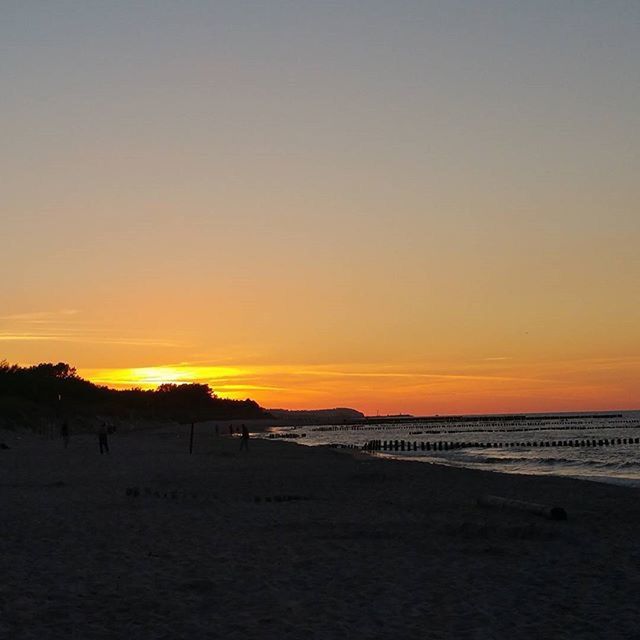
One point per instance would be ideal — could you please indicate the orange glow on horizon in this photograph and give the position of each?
(493, 386)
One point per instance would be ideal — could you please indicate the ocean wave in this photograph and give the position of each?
(532, 461)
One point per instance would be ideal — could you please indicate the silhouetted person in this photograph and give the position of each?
(244, 439)
(64, 432)
(217, 431)
(230, 429)
(103, 440)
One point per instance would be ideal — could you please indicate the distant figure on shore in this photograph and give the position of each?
(244, 439)
(230, 429)
(103, 440)
(64, 433)
(217, 431)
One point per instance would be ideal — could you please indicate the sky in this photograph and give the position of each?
(409, 206)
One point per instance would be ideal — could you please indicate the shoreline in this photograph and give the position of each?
(575, 448)
(336, 546)
(611, 480)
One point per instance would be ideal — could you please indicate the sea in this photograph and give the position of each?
(602, 447)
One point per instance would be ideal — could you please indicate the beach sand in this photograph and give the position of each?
(362, 547)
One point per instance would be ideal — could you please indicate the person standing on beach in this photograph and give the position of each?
(103, 441)
(244, 439)
(64, 432)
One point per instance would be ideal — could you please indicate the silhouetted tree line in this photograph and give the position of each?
(58, 388)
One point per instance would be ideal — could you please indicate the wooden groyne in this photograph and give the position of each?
(404, 445)
(488, 427)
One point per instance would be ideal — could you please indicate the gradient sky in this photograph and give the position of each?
(426, 207)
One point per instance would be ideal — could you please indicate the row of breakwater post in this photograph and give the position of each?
(404, 445)
(542, 425)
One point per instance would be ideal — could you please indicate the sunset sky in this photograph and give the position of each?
(424, 207)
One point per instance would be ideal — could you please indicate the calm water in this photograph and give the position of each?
(617, 463)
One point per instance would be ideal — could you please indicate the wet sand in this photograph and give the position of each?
(296, 542)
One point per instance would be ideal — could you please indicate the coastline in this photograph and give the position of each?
(294, 541)
(571, 445)
(603, 479)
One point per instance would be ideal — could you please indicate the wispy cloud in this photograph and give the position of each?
(407, 374)
(87, 339)
(41, 317)
(247, 387)
(66, 325)
(23, 337)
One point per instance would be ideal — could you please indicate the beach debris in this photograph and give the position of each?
(549, 512)
(170, 494)
(288, 498)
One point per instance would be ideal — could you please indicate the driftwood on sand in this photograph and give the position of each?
(551, 513)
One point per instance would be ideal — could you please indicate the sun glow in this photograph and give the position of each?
(151, 377)
(487, 386)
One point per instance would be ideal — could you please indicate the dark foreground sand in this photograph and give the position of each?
(380, 549)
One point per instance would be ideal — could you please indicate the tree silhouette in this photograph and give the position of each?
(55, 386)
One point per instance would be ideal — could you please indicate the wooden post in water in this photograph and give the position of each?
(191, 440)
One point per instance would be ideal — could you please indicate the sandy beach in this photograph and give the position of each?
(296, 542)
